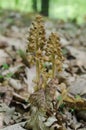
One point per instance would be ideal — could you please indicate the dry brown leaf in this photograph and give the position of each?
(30, 74)
(78, 86)
(1, 120)
(3, 44)
(78, 54)
(16, 84)
(7, 93)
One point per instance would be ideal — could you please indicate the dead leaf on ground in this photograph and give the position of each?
(6, 94)
(78, 54)
(78, 86)
(30, 75)
(14, 127)
(3, 44)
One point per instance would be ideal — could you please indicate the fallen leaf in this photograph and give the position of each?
(30, 74)
(78, 86)
(1, 120)
(78, 54)
(13, 127)
(3, 44)
(50, 121)
(15, 84)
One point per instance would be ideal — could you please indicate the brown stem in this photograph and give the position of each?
(37, 71)
(37, 62)
(53, 66)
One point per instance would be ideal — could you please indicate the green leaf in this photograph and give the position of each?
(9, 75)
(77, 96)
(59, 98)
(72, 110)
(1, 76)
(62, 105)
(5, 66)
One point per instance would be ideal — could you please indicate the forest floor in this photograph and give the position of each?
(15, 76)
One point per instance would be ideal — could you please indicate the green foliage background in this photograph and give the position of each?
(58, 8)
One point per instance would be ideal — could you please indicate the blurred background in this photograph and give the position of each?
(62, 9)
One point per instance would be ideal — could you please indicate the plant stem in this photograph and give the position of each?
(37, 62)
(53, 66)
(37, 71)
